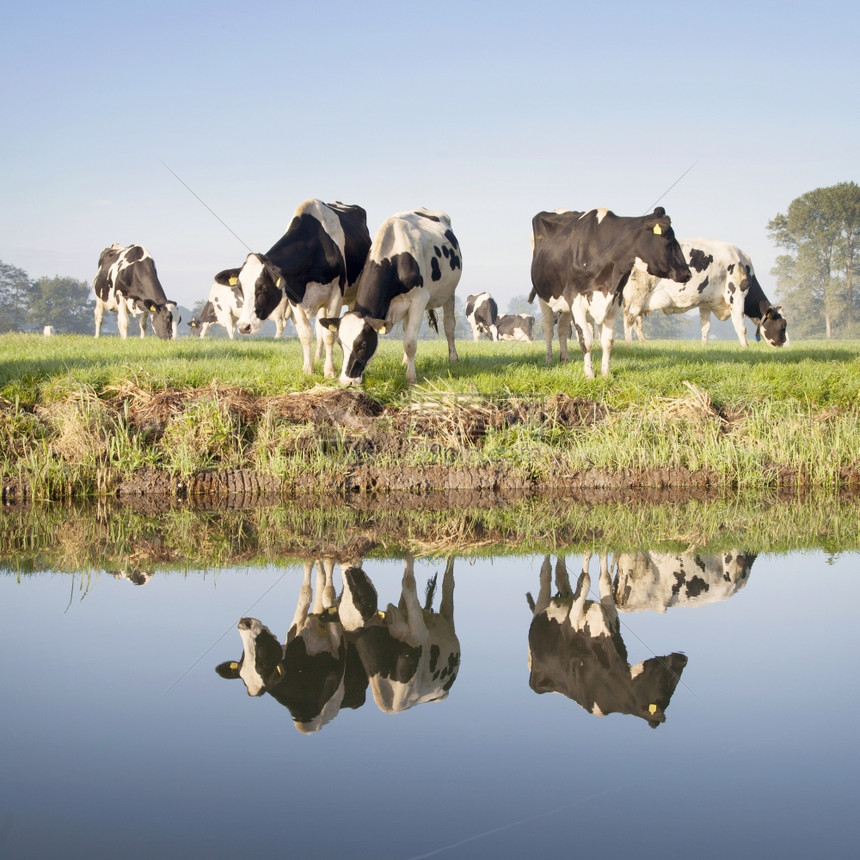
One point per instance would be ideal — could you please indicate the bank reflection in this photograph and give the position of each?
(407, 654)
(576, 648)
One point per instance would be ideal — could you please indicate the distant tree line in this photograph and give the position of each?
(29, 305)
(817, 277)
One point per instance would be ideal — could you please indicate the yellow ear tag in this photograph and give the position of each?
(383, 330)
(279, 669)
(234, 281)
(381, 614)
(332, 328)
(279, 283)
(652, 709)
(234, 665)
(658, 231)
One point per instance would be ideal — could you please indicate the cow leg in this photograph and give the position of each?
(122, 319)
(607, 338)
(583, 585)
(738, 319)
(144, 319)
(99, 315)
(547, 321)
(544, 589)
(320, 331)
(449, 323)
(607, 598)
(304, 603)
(411, 324)
(705, 323)
(446, 605)
(406, 622)
(562, 579)
(583, 333)
(305, 333)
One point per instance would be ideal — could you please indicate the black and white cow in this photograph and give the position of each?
(654, 581)
(315, 673)
(127, 284)
(723, 283)
(482, 312)
(516, 327)
(315, 265)
(224, 307)
(410, 653)
(581, 262)
(576, 649)
(414, 265)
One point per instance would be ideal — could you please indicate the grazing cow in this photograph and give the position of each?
(516, 327)
(482, 312)
(654, 581)
(126, 283)
(314, 264)
(576, 649)
(314, 673)
(411, 654)
(414, 265)
(723, 284)
(581, 262)
(224, 306)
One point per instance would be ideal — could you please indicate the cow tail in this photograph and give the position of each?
(434, 323)
(531, 297)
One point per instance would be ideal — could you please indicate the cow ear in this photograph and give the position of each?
(331, 323)
(659, 212)
(380, 326)
(229, 670)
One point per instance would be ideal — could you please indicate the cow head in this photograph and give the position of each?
(261, 654)
(165, 319)
(358, 336)
(772, 326)
(659, 250)
(262, 290)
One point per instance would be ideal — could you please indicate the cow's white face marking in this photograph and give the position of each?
(353, 333)
(249, 322)
(248, 673)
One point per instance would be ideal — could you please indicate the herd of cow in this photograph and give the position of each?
(586, 267)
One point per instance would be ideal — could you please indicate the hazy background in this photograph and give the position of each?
(490, 111)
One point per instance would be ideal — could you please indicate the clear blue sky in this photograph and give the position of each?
(490, 111)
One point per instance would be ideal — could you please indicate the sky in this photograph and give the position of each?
(723, 113)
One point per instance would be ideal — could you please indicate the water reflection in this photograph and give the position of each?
(654, 581)
(408, 654)
(576, 649)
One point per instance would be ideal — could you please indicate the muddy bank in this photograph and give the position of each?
(220, 442)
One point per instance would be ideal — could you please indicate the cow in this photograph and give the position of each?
(516, 327)
(410, 653)
(482, 312)
(576, 649)
(414, 265)
(127, 284)
(315, 673)
(723, 283)
(581, 262)
(315, 264)
(650, 580)
(224, 306)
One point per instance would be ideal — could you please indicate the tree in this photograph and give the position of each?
(64, 303)
(15, 287)
(817, 278)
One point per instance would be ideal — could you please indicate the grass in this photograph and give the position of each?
(753, 418)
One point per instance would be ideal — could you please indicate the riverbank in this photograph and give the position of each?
(84, 418)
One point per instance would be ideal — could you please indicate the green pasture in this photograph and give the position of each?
(813, 374)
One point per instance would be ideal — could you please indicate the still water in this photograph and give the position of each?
(728, 683)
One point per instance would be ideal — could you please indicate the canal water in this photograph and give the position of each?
(671, 703)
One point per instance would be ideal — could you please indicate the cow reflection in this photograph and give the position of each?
(314, 673)
(575, 648)
(655, 581)
(411, 654)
